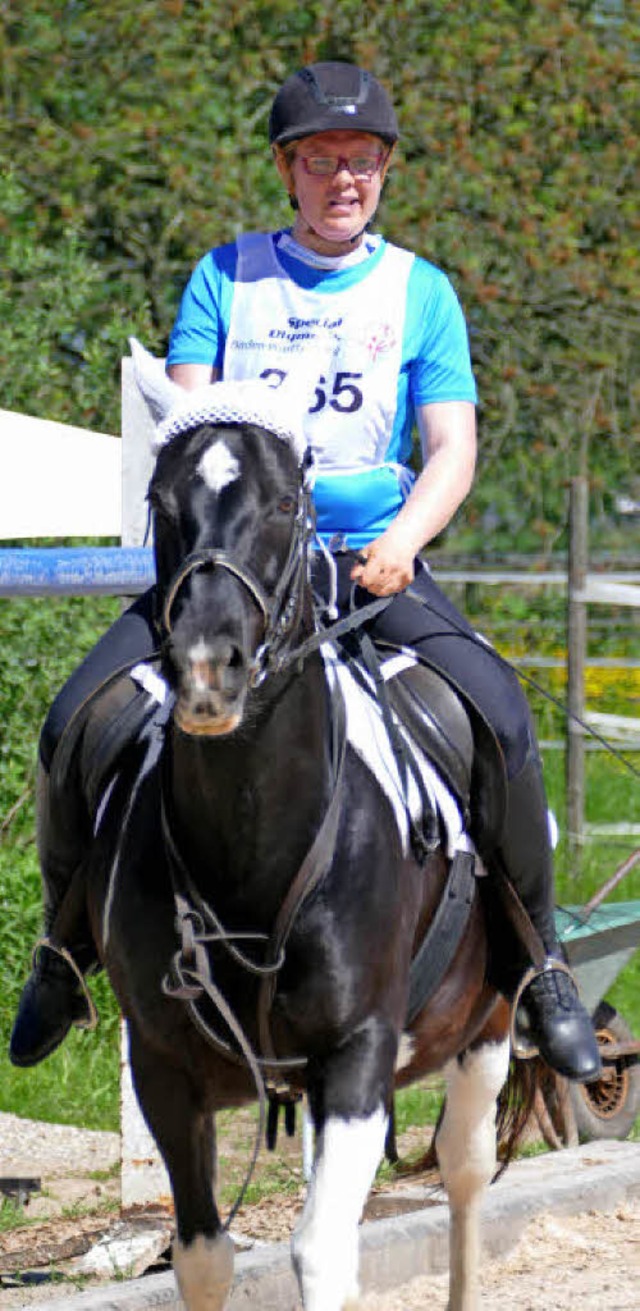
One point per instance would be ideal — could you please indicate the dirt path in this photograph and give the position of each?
(571, 1263)
(590, 1261)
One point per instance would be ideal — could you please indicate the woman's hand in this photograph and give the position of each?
(387, 566)
(448, 430)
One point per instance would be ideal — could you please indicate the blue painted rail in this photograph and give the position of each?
(76, 571)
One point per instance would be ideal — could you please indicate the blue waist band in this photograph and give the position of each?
(359, 505)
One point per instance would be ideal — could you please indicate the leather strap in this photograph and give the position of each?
(424, 833)
(443, 937)
(313, 869)
(518, 914)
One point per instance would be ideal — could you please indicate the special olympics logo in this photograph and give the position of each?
(378, 339)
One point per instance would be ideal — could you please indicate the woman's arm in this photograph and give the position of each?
(448, 432)
(190, 376)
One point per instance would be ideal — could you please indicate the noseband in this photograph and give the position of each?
(279, 612)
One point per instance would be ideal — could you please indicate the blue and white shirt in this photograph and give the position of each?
(368, 339)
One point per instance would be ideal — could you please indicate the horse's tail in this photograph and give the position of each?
(515, 1109)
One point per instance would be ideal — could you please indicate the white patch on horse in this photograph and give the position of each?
(406, 1051)
(218, 467)
(466, 1137)
(325, 1242)
(466, 1149)
(204, 1271)
(199, 657)
(152, 682)
(367, 734)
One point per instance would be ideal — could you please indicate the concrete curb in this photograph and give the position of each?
(596, 1176)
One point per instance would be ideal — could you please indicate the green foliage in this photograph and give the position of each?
(60, 340)
(40, 642)
(139, 138)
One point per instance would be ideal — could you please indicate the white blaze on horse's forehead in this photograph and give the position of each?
(219, 467)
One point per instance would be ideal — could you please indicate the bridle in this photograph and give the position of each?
(279, 611)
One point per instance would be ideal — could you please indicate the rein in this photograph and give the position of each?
(531, 682)
(190, 972)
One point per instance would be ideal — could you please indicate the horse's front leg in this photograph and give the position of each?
(348, 1105)
(466, 1149)
(185, 1135)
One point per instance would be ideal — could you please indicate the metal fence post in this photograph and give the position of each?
(576, 657)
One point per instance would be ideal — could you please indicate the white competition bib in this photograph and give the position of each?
(343, 347)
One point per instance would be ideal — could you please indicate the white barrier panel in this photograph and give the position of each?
(58, 481)
(143, 1178)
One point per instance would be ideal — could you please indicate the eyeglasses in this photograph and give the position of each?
(361, 167)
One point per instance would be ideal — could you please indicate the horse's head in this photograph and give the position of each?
(231, 515)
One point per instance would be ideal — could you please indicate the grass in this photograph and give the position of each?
(79, 1084)
(41, 641)
(12, 1216)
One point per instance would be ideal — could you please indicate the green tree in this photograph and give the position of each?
(144, 130)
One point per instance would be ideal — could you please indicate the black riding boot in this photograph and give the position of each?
(55, 995)
(549, 1013)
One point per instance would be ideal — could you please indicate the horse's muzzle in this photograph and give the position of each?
(212, 689)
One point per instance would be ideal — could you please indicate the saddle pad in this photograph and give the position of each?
(367, 735)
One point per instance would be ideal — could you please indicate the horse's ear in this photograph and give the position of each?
(160, 393)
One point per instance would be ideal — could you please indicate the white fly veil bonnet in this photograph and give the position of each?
(176, 410)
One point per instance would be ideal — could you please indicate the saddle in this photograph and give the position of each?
(443, 723)
(108, 723)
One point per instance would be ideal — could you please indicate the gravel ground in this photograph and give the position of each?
(589, 1262)
(28, 1147)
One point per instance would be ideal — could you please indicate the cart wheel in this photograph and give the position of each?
(553, 1108)
(608, 1108)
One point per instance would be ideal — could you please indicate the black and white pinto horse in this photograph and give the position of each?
(285, 847)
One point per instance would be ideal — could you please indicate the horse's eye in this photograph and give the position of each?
(286, 504)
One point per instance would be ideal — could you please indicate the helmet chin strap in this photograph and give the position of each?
(295, 205)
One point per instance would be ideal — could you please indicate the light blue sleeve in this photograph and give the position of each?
(200, 330)
(437, 339)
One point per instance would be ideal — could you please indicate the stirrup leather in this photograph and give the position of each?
(523, 1050)
(91, 1020)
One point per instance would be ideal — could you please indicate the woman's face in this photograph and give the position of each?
(333, 210)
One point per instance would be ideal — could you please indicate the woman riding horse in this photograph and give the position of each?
(379, 336)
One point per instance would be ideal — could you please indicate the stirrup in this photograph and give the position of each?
(523, 1050)
(92, 1017)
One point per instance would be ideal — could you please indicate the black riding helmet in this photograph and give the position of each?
(328, 96)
